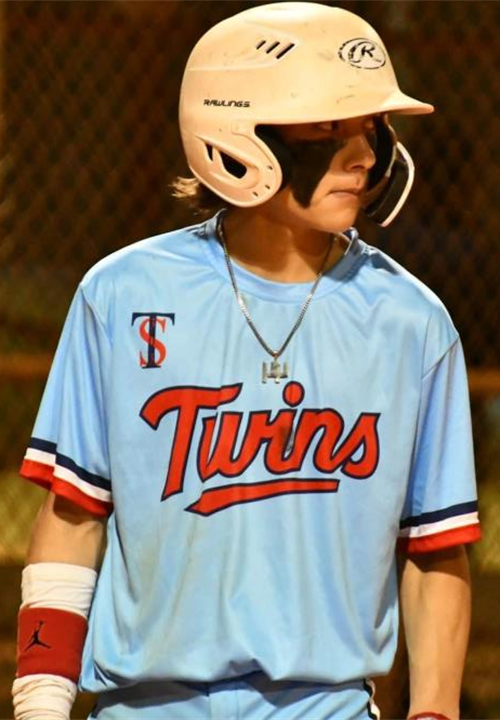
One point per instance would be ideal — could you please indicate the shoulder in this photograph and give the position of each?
(176, 245)
(388, 273)
(410, 301)
(158, 258)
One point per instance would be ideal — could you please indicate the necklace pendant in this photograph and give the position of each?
(274, 371)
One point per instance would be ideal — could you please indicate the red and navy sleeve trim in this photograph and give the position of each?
(437, 515)
(60, 474)
(440, 529)
(66, 462)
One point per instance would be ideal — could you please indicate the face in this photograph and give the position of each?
(330, 165)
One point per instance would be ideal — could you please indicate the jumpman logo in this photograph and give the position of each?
(35, 638)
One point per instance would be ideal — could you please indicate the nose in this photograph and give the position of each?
(358, 154)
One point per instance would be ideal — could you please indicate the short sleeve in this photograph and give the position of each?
(441, 509)
(68, 453)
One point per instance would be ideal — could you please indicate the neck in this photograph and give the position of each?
(277, 251)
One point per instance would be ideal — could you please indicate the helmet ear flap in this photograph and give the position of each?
(394, 189)
(276, 144)
(391, 178)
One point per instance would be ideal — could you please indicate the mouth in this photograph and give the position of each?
(347, 190)
(349, 196)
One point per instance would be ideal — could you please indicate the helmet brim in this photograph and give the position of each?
(406, 105)
(353, 106)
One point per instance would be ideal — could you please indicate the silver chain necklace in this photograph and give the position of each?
(274, 370)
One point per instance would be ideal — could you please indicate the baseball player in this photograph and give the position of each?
(260, 407)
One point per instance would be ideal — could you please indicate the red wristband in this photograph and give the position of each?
(429, 716)
(50, 641)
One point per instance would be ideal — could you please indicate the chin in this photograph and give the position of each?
(337, 221)
(327, 217)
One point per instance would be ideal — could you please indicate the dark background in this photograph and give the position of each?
(89, 144)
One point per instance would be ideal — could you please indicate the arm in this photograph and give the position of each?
(57, 588)
(65, 533)
(435, 602)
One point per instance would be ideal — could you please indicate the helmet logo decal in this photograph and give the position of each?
(226, 103)
(362, 53)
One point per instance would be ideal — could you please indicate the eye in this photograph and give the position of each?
(370, 131)
(370, 123)
(328, 126)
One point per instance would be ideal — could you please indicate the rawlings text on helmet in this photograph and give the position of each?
(362, 53)
(227, 103)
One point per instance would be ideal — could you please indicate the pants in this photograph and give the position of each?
(249, 697)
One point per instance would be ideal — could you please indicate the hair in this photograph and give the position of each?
(197, 197)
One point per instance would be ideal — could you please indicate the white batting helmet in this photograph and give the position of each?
(288, 63)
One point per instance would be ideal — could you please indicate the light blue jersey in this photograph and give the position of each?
(253, 525)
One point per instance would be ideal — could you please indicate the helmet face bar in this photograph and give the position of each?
(279, 64)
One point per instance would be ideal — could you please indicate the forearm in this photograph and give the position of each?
(57, 589)
(435, 602)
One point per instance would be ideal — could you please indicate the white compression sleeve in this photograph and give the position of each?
(43, 697)
(59, 586)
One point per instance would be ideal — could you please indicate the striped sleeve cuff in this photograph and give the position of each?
(58, 473)
(455, 525)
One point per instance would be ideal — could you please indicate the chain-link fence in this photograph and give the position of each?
(89, 142)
